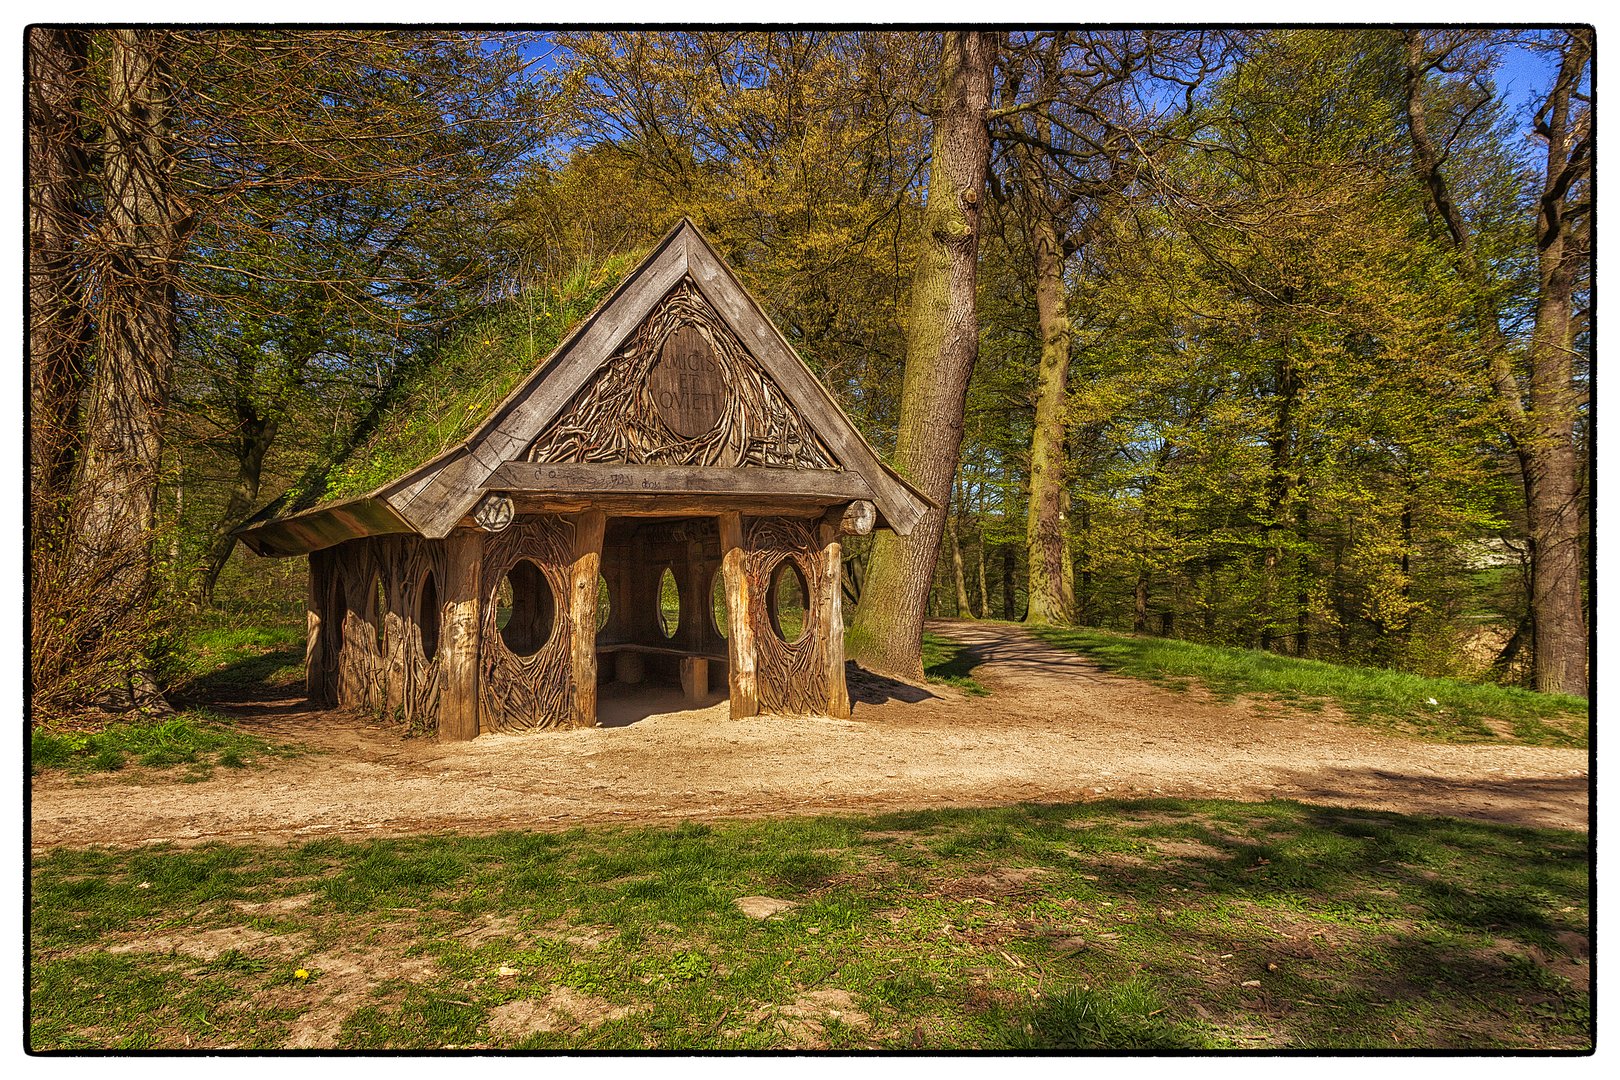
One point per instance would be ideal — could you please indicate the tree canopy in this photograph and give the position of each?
(1277, 339)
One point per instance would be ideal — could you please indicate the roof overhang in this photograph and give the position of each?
(315, 529)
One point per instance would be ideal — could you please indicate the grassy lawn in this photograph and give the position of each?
(224, 658)
(215, 661)
(1443, 710)
(1160, 924)
(195, 741)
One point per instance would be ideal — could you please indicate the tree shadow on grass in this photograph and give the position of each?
(274, 673)
(1174, 924)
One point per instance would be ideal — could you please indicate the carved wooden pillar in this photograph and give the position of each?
(589, 528)
(390, 558)
(830, 608)
(739, 615)
(320, 619)
(459, 632)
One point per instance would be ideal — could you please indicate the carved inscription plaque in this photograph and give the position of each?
(687, 385)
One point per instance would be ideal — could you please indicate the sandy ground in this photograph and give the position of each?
(1055, 728)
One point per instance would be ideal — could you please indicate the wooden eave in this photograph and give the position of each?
(435, 497)
(299, 534)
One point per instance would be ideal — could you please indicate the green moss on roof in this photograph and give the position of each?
(456, 389)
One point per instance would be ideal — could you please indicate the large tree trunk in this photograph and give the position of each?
(1555, 493)
(141, 238)
(942, 345)
(58, 330)
(1051, 574)
(1543, 430)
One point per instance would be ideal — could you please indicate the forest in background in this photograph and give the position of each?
(1275, 339)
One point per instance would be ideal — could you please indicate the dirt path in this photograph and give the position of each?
(1055, 728)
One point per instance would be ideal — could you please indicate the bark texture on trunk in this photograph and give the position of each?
(58, 330)
(1555, 490)
(1542, 428)
(964, 609)
(1051, 573)
(140, 240)
(254, 436)
(941, 348)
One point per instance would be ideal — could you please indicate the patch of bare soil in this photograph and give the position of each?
(1056, 728)
(562, 1009)
(802, 1022)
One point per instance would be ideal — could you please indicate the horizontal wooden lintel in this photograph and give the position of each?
(534, 478)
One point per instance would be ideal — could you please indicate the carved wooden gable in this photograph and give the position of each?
(678, 367)
(682, 390)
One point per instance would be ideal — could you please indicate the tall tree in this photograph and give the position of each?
(942, 345)
(141, 236)
(58, 328)
(249, 202)
(1540, 405)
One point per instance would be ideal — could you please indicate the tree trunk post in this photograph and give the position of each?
(458, 649)
(589, 528)
(831, 612)
(742, 671)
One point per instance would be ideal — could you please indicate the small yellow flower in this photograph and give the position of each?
(300, 974)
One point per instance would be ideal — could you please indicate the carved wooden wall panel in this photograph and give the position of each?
(792, 678)
(684, 391)
(521, 692)
(416, 680)
(361, 677)
(398, 679)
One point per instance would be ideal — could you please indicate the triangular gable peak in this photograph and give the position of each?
(678, 368)
(682, 390)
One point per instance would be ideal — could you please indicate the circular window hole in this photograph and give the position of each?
(524, 608)
(427, 617)
(717, 594)
(786, 597)
(669, 604)
(380, 609)
(604, 603)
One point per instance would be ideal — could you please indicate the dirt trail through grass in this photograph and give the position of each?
(1055, 727)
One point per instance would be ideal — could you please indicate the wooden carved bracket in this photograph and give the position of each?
(494, 512)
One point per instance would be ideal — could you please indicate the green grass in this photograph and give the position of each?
(223, 657)
(1461, 711)
(951, 663)
(196, 739)
(219, 658)
(1142, 926)
(456, 389)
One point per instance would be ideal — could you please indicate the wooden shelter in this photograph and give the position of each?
(673, 436)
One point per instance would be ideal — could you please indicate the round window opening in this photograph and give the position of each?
(524, 609)
(786, 597)
(427, 617)
(604, 603)
(717, 596)
(669, 604)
